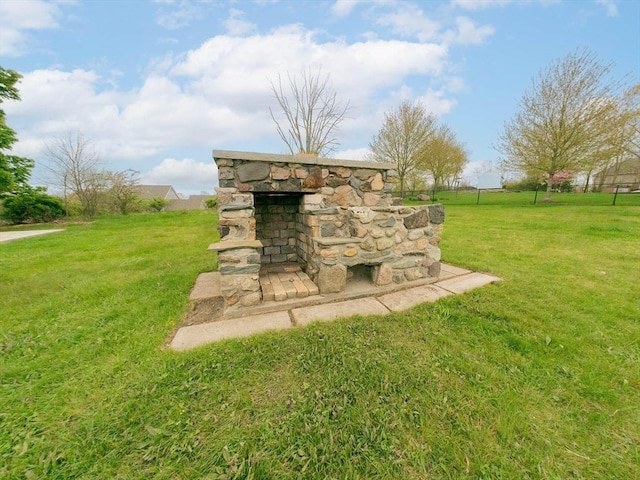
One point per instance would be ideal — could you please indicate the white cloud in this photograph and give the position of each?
(610, 6)
(437, 102)
(478, 4)
(186, 175)
(468, 33)
(353, 154)
(177, 14)
(20, 16)
(342, 8)
(238, 69)
(236, 25)
(409, 20)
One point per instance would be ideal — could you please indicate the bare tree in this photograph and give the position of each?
(312, 113)
(123, 193)
(443, 157)
(570, 114)
(72, 163)
(402, 139)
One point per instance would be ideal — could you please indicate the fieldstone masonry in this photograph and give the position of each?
(326, 215)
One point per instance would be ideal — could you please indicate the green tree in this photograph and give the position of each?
(14, 171)
(402, 139)
(123, 194)
(443, 157)
(570, 114)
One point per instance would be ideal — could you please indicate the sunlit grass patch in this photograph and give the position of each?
(536, 376)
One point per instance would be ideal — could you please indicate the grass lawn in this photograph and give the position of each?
(537, 376)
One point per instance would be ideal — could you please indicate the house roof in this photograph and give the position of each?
(204, 198)
(630, 166)
(155, 191)
(190, 203)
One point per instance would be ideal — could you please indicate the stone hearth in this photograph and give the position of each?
(307, 223)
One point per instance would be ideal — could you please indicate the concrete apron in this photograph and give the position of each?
(296, 313)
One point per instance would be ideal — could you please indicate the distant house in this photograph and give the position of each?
(165, 192)
(194, 202)
(625, 174)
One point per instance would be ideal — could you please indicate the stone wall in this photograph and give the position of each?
(328, 215)
(400, 243)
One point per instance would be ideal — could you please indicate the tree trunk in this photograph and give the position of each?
(547, 196)
(586, 185)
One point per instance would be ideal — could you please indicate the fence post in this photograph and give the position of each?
(535, 198)
(478, 199)
(616, 194)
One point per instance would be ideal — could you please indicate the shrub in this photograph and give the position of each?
(211, 202)
(32, 207)
(157, 204)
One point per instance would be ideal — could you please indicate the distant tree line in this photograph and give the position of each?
(74, 169)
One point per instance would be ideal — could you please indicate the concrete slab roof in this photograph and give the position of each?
(306, 159)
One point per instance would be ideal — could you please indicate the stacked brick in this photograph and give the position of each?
(276, 218)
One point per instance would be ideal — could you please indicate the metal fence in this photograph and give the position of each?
(622, 195)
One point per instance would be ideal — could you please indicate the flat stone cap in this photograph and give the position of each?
(304, 159)
(231, 245)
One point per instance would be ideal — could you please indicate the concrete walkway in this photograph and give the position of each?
(8, 236)
(283, 315)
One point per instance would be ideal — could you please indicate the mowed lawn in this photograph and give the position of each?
(537, 376)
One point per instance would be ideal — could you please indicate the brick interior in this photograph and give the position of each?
(276, 224)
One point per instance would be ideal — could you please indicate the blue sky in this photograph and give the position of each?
(156, 85)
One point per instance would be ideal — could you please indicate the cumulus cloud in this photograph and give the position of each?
(239, 68)
(186, 175)
(18, 17)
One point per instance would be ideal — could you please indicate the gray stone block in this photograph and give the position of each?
(436, 213)
(332, 278)
(239, 269)
(418, 219)
(250, 172)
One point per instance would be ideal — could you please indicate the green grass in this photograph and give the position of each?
(537, 376)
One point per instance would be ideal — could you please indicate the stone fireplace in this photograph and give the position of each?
(295, 226)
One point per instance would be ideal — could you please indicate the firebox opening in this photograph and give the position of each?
(277, 218)
(359, 276)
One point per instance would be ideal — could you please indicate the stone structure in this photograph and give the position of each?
(326, 215)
